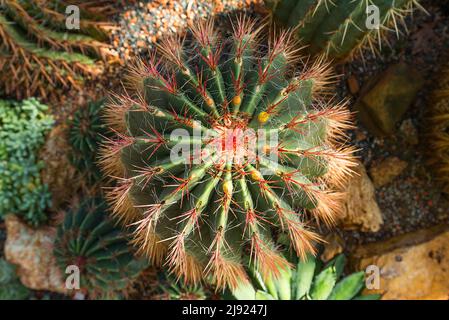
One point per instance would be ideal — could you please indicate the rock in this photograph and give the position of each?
(360, 209)
(353, 85)
(412, 266)
(333, 246)
(32, 251)
(58, 172)
(387, 170)
(409, 132)
(384, 100)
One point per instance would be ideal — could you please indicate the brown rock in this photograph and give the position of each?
(414, 266)
(58, 172)
(386, 171)
(409, 132)
(384, 100)
(353, 85)
(333, 246)
(32, 251)
(360, 210)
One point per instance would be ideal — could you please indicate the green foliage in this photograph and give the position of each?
(219, 214)
(10, 286)
(23, 126)
(87, 131)
(339, 28)
(179, 290)
(89, 239)
(307, 281)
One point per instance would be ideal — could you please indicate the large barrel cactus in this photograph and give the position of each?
(227, 144)
(341, 28)
(89, 239)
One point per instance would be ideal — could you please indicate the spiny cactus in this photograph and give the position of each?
(308, 282)
(339, 28)
(87, 131)
(171, 289)
(439, 130)
(37, 50)
(218, 208)
(89, 239)
(10, 286)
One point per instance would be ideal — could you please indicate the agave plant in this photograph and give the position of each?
(307, 282)
(342, 28)
(88, 239)
(207, 192)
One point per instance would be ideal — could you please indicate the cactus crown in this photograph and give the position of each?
(88, 239)
(219, 208)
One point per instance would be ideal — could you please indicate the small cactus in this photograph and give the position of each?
(10, 286)
(307, 282)
(88, 239)
(87, 131)
(213, 216)
(439, 130)
(340, 29)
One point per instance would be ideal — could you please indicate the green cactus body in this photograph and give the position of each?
(87, 131)
(10, 286)
(307, 281)
(41, 51)
(90, 240)
(339, 28)
(217, 210)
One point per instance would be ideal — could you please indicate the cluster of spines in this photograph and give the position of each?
(438, 133)
(38, 50)
(214, 218)
(339, 29)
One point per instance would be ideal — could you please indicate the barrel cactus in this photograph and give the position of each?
(87, 131)
(89, 239)
(41, 51)
(265, 152)
(307, 281)
(340, 28)
(439, 130)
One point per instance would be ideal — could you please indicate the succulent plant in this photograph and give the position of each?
(307, 281)
(37, 50)
(219, 208)
(439, 130)
(87, 131)
(340, 28)
(23, 127)
(171, 289)
(89, 239)
(10, 286)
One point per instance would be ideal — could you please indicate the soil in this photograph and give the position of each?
(413, 200)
